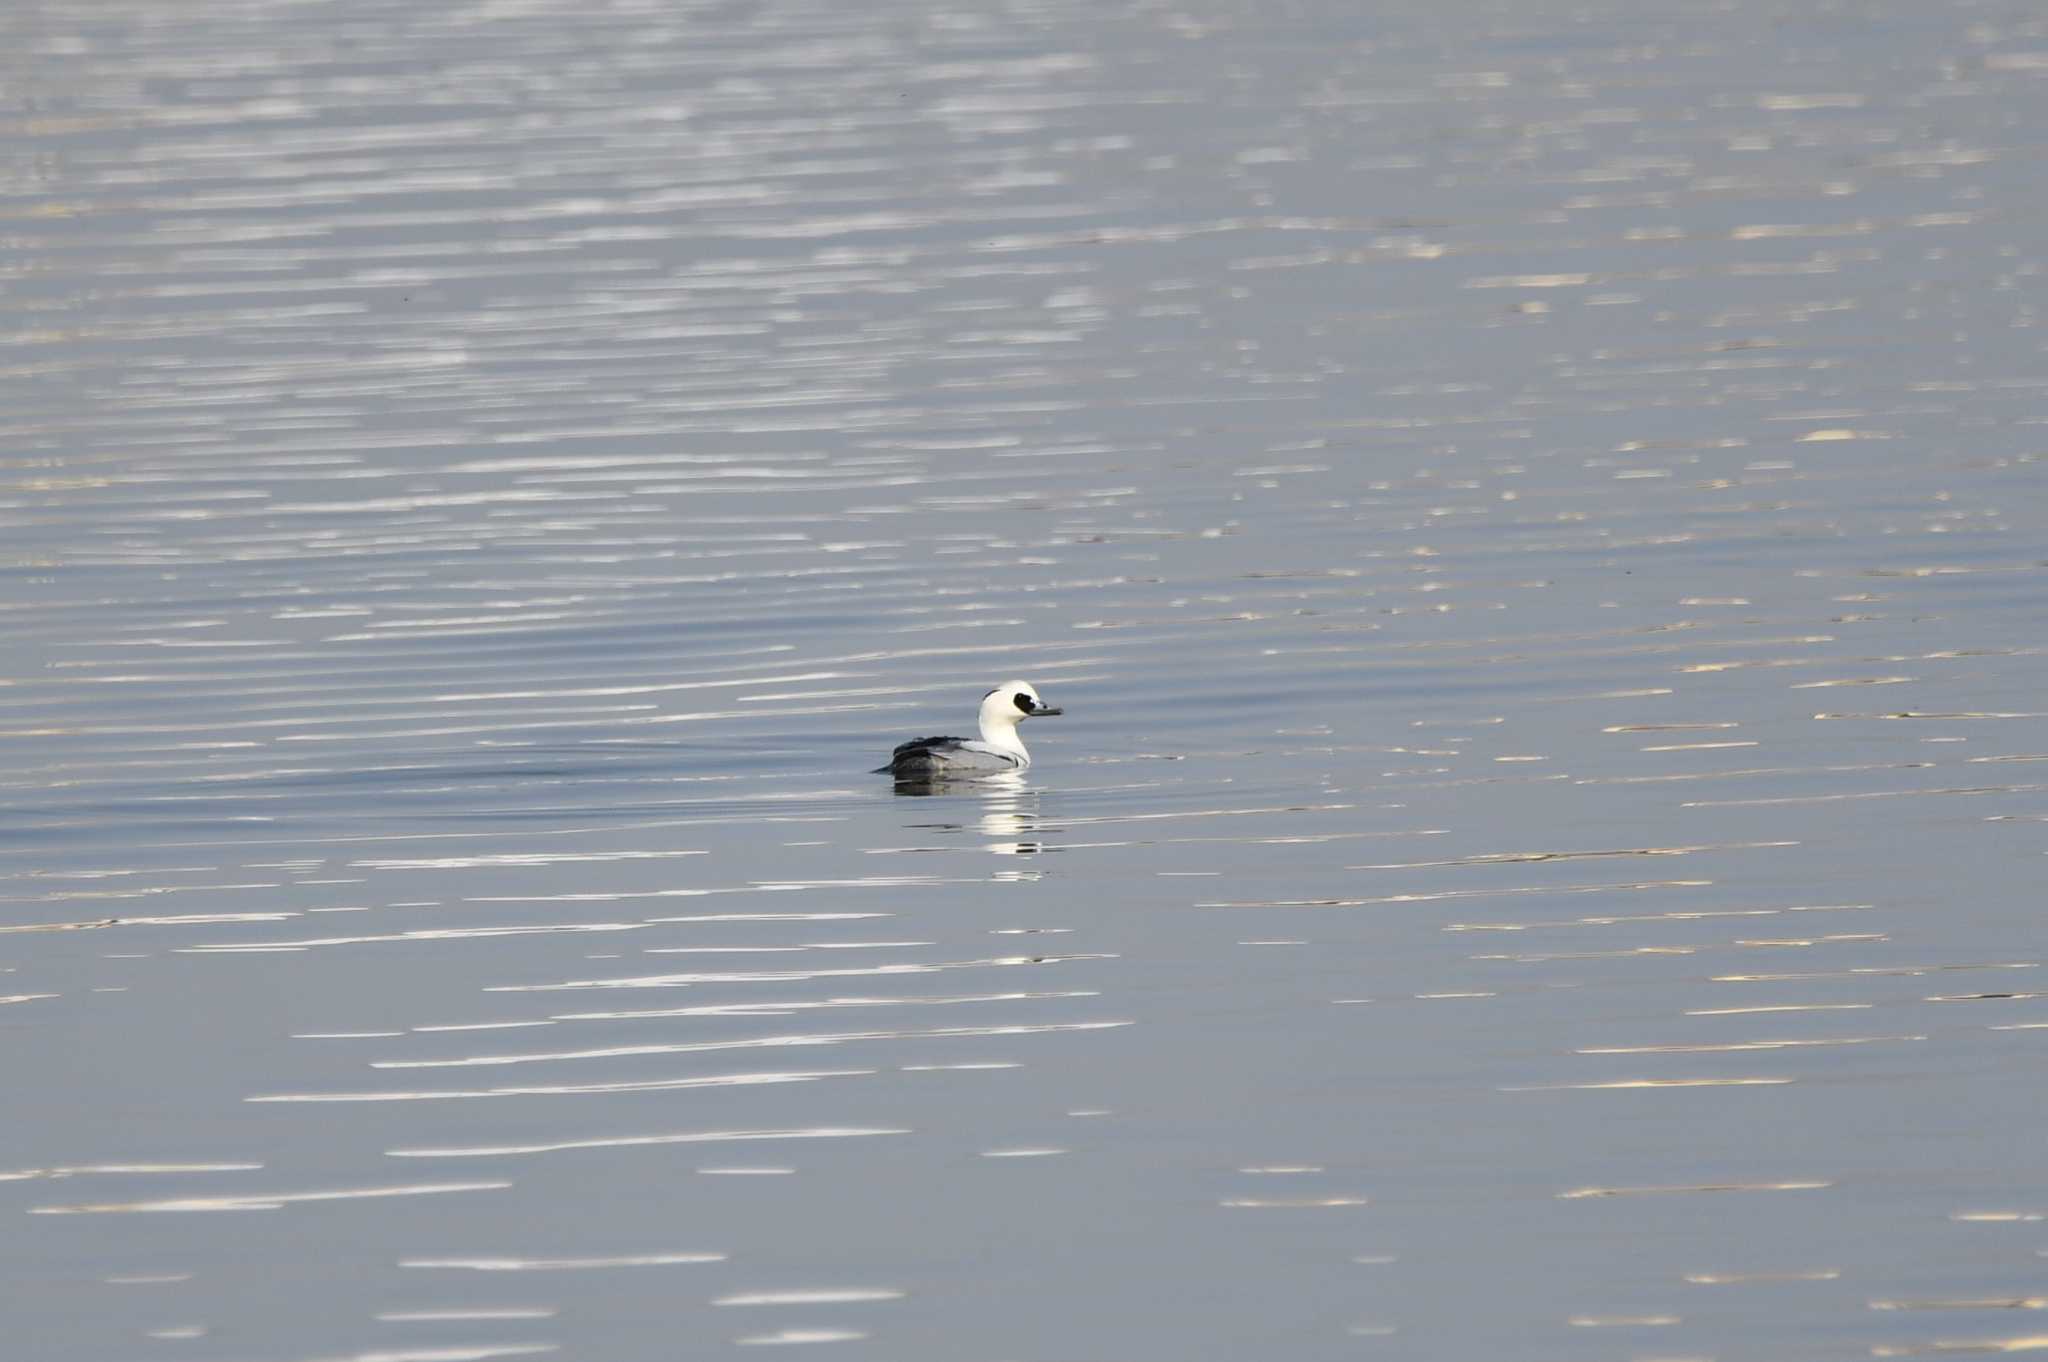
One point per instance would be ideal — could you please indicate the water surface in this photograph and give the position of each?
(1533, 512)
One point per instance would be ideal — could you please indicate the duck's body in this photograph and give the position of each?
(998, 750)
(923, 757)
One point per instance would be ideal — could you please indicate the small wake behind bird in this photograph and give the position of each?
(997, 751)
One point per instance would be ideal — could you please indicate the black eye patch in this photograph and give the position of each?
(1024, 702)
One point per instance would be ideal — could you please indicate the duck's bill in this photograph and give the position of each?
(1040, 711)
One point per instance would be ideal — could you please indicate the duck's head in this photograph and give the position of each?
(1012, 703)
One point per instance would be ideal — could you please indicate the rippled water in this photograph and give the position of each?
(1534, 514)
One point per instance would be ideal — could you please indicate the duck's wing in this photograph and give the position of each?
(926, 745)
(922, 757)
(919, 755)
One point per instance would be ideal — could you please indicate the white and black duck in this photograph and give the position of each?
(998, 750)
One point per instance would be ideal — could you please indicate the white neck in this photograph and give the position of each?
(999, 730)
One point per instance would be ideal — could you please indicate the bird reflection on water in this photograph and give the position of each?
(1009, 810)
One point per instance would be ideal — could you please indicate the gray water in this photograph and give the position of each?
(1534, 513)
